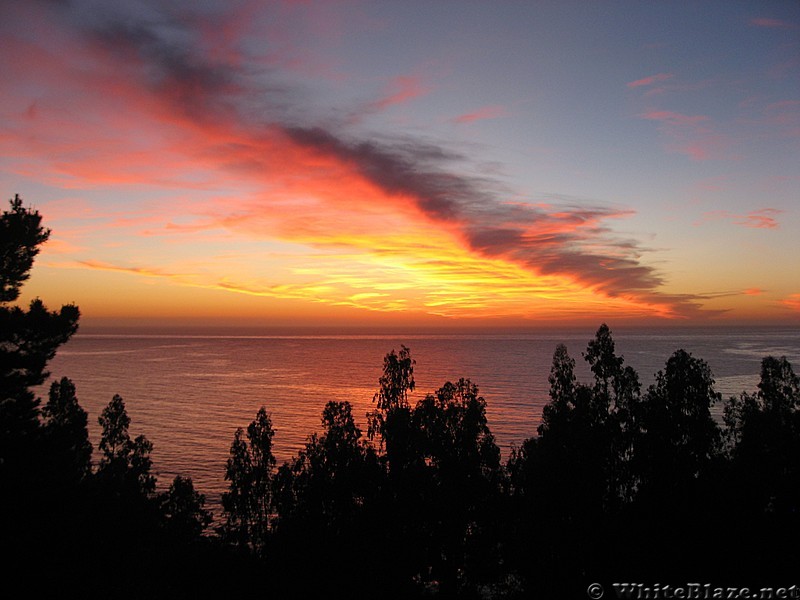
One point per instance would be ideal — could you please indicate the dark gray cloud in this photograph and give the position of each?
(564, 239)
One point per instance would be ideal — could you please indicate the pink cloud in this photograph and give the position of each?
(763, 218)
(760, 219)
(784, 116)
(692, 135)
(705, 147)
(486, 112)
(772, 23)
(659, 77)
(673, 118)
(400, 90)
(753, 292)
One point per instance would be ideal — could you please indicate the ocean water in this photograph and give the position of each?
(189, 393)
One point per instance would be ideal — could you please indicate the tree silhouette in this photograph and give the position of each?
(390, 421)
(326, 505)
(325, 486)
(182, 510)
(458, 483)
(66, 433)
(21, 234)
(249, 468)
(676, 438)
(560, 480)
(604, 363)
(763, 432)
(125, 466)
(81, 529)
(28, 340)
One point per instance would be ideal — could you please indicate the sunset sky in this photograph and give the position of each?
(448, 163)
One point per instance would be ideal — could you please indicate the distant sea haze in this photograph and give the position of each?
(189, 393)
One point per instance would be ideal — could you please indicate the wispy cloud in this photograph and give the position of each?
(692, 135)
(400, 90)
(145, 271)
(673, 118)
(647, 81)
(764, 218)
(792, 302)
(481, 114)
(759, 219)
(772, 23)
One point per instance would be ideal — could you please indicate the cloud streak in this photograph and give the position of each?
(764, 218)
(792, 302)
(692, 135)
(481, 114)
(402, 89)
(647, 81)
(768, 23)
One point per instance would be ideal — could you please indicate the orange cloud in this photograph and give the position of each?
(753, 292)
(147, 272)
(792, 302)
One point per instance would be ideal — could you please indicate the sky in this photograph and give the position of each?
(428, 164)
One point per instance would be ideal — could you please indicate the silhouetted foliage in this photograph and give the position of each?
(560, 480)
(325, 504)
(249, 470)
(182, 509)
(21, 234)
(325, 487)
(459, 482)
(676, 437)
(391, 400)
(28, 340)
(69, 530)
(66, 433)
(763, 434)
(125, 465)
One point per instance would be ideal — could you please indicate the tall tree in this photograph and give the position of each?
(325, 501)
(603, 361)
(676, 438)
(66, 433)
(125, 467)
(28, 340)
(249, 470)
(21, 234)
(391, 419)
(763, 435)
(458, 483)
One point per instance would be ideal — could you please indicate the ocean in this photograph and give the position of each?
(188, 393)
